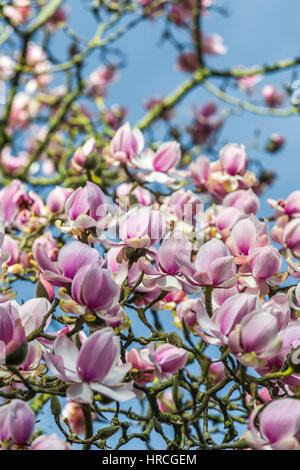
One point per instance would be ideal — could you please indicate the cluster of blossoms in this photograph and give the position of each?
(213, 265)
(158, 286)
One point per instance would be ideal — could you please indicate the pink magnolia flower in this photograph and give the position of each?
(276, 142)
(141, 372)
(186, 311)
(73, 411)
(33, 312)
(17, 422)
(99, 79)
(200, 171)
(92, 368)
(57, 198)
(11, 246)
(279, 426)
(82, 153)
(183, 11)
(23, 109)
(7, 66)
(233, 159)
(13, 164)
(243, 199)
(248, 83)
(271, 96)
(290, 337)
(140, 227)
(105, 292)
(255, 339)
(161, 164)
(289, 206)
(167, 359)
(247, 235)
(143, 196)
(114, 116)
(126, 143)
(58, 19)
(86, 208)
(183, 206)
(166, 402)
(73, 256)
(265, 262)
(188, 62)
(213, 45)
(226, 219)
(19, 11)
(169, 273)
(213, 266)
(291, 236)
(13, 346)
(48, 244)
(52, 442)
(217, 372)
(205, 124)
(17, 206)
(217, 329)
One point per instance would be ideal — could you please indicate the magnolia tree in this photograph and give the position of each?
(161, 307)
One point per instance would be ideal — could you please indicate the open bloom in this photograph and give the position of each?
(279, 426)
(73, 256)
(140, 227)
(93, 367)
(213, 266)
(160, 166)
(168, 273)
(87, 207)
(216, 330)
(243, 199)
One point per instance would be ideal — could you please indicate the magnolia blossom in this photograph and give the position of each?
(126, 143)
(93, 368)
(141, 227)
(73, 256)
(105, 292)
(272, 97)
(82, 153)
(13, 346)
(52, 442)
(141, 371)
(87, 207)
(205, 124)
(233, 159)
(250, 332)
(213, 266)
(161, 165)
(17, 422)
(168, 274)
(166, 359)
(279, 426)
(57, 198)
